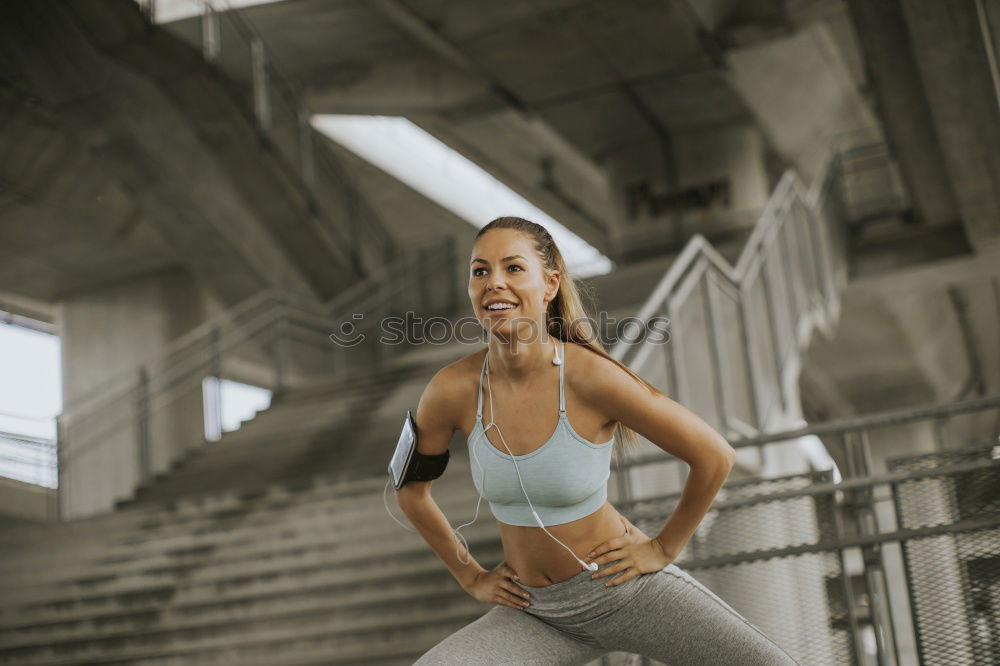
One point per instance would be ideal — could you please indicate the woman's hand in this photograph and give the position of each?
(635, 552)
(496, 586)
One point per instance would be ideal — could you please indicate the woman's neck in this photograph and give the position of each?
(515, 362)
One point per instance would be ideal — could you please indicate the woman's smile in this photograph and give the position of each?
(501, 311)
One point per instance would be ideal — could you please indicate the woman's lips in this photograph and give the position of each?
(504, 311)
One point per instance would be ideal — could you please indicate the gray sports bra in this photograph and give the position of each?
(566, 477)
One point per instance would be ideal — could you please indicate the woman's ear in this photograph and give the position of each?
(552, 285)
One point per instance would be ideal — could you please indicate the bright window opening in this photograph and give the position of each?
(30, 399)
(228, 404)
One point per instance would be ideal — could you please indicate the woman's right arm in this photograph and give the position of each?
(437, 418)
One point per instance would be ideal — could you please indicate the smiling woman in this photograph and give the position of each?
(547, 482)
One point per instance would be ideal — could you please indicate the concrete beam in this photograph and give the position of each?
(556, 176)
(398, 87)
(800, 91)
(146, 106)
(902, 104)
(952, 59)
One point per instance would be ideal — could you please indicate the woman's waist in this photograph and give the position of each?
(540, 560)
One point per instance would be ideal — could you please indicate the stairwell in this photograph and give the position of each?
(271, 546)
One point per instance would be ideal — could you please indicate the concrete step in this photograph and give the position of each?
(118, 554)
(234, 558)
(347, 632)
(395, 566)
(367, 586)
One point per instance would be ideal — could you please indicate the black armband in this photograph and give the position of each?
(408, 464)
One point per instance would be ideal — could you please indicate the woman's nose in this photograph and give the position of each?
(495, 282)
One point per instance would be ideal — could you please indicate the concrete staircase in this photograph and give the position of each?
(271, 546)
(316, 575)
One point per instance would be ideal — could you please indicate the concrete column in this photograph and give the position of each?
(801, 93)
(952, 60)
(906, 116)
(106, 335)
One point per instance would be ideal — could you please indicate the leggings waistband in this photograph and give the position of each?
(581, 597)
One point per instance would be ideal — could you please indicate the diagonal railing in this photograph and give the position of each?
(838, 550)
(127, 425)
(740, 327)
(880, 560)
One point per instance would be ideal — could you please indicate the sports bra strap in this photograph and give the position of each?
(479, 403)
(562, 397)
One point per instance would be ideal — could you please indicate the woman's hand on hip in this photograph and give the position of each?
(634, 552)
(497, 586)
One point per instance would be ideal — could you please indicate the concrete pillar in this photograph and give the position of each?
(106, 335)
(801, 93)
(952, 60)
(906, 116)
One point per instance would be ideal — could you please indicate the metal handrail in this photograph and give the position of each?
(862, 423)
(700, 277)
(270, 317)
(878, 420)
(116, 387)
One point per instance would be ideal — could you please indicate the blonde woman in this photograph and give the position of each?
(542, 459)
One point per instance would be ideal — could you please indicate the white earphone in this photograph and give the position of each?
(587, 567)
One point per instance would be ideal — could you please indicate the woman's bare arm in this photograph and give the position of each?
(437, 418)
(675, 429)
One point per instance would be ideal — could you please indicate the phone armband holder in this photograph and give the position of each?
(408, 464)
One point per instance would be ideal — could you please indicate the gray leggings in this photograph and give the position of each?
(666, 615)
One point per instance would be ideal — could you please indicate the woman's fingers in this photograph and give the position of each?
(609, 556)
(514, 589)
(613, 569)
(508, 599)
(628, 575)
(608, 545)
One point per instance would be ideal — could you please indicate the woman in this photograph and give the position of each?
(550, 499)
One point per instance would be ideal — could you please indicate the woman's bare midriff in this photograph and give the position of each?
(536, 557)
(539, 560)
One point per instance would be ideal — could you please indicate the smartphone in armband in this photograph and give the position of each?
(408, 464)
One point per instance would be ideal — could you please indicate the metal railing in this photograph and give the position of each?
(741, 327)
(28, 458)
(896, 562)
(882, 565)
(273, 337)
(871, 184)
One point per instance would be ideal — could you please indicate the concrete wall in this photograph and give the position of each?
(106, 336)
(27, 501)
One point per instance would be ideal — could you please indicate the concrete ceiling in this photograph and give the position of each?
(65, 224)
(591, 96)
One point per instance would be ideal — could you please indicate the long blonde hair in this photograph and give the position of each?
(566, 318)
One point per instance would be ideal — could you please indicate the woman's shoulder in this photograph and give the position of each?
(455, 377)
(448, 391)
(584, 358)
(587, 368)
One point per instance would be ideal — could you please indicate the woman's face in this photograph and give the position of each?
(506, 269)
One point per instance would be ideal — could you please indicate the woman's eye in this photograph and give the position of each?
(476, 273)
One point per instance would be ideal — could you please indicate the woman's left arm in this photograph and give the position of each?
(679, 432)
